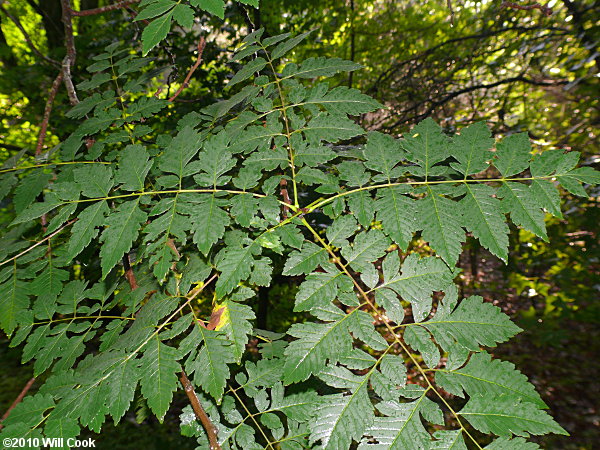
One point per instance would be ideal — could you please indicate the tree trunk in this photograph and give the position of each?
(51, 12)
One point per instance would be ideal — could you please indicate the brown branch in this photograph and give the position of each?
(28, 40)
(201, 415)
(47, 111)
(66, 70)
(103, 9)
(17, 400)
(129, 275)
(186, 82)
(69, 60)
(286, 198)
(544, 9)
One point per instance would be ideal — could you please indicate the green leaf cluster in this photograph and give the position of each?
(206, 216)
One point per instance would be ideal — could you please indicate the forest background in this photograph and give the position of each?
(533, 70)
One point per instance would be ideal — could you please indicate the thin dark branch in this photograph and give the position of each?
(103, 9)
(201, 415)
(47, 111)
(30, 43)
(385, 74)
(186, 82)
(17, 400)
(452, 95)
(544, 9)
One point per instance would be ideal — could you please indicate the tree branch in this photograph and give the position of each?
(17, 400)
(103, 9)
(201, 415)
(69, 60)
(452, 95)
(28, 40)
(129, 275)
(544, 9)
(478, 36)
(186, 82)
(47, 111)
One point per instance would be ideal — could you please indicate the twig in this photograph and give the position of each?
(103, 9)
(47, 111)
(30, 43)
(69, 60)
(129, 275)
(201, 415)
(186, 82)
(451, 10)
(17, 400)
(66, 70)
(286, 198)
(544, 9)
(28, 249)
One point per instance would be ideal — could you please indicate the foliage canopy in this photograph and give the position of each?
(235, 196)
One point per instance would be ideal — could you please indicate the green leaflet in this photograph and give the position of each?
(400, 428)
(180, 151)
(517, 199)
(441, 225)
(121, 230)
(235, 266)
(235, 322)
(426, 146)
(367, 247)
(473, 323)
(209, 362)
(155, 32)
(506, 414)
(13, 299)
(417, 280)
(160, 365)
(382, 154)
(85, 229)
(316, 344)
(209, 223)
(319, 289)
(133, 168)
(340, 100)
(513, 154)
(172, 223)
(339, 419)
(471, 149)
(305, 260)
(28, 189)
(396, 212)
(482, 375)
(481, 215)
(448, 440)
(331, 128)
